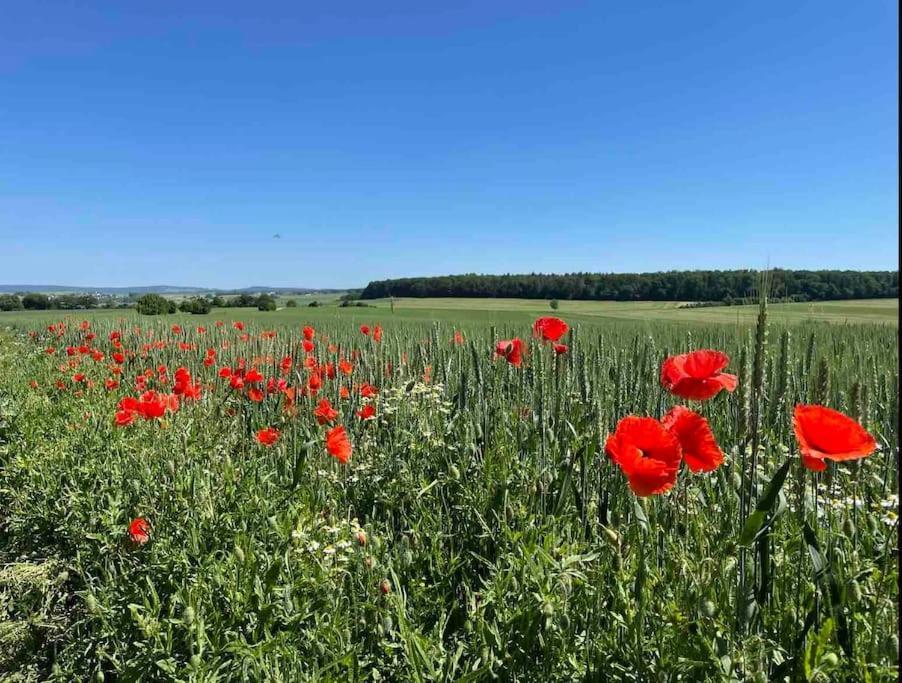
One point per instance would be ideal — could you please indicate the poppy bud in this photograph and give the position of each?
(454, 472)
(361, 537)
(708, 608)
(239, 553)
(91, 603)
(385, 587)
(855, 591)
(369, 561)
(195, 660)
(188, 615)
(830, 659)
(612, 536)
(848, 528)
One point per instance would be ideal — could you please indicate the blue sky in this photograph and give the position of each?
(147, 143)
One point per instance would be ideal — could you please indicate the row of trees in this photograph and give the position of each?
(154, 304)
(36, 301)
(726, 286)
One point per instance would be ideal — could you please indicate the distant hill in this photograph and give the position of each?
(162, 289)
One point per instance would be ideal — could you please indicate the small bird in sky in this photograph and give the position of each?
(277, 236)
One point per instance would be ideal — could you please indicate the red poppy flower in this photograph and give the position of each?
(366, 412)
(338, 445)
(700, 450)
(511, 350)
(255, 395)
(647, 453)
(139, 531)
(458, 338)
(124, 418)
(309, 333)
(823, 433)
(368, 390)
(345, 367)
(314, 383)
(365, 329)
(253, 375)
(561, 349)
(268, 436)
(377, 333)
(308, 346)
(697, 375)
(324, 412)
(344, 393)
(550, 329)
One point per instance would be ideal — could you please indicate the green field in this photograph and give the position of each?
(518, 311)
(479, 530)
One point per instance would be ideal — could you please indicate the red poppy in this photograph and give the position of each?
(324, 412)
(458, 338)
(377, 333)
(697, 375)
(139, 531)
(511, 350)
(561, 349)
(550, 329)
(365, 329)
(308, 346)
(309, 333)
(268, 436)
(368, 390)
(124, 418)
(338, 445)
(255, 395)
(253, 375)
(700, 450)
(314, 383)
(366, 412)
(345, 367)
(823, 433)
(647, 453)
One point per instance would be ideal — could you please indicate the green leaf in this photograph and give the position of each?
(755, 521)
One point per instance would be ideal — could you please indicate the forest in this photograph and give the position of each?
(725, 286)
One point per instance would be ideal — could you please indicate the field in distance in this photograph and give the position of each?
(519, 311)
(883, 311)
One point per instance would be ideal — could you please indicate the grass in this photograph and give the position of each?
(479, 532)
(519, 311)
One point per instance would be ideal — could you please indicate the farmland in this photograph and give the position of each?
(473, 526)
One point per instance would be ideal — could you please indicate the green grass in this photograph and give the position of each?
(500, 541)
(518, 311)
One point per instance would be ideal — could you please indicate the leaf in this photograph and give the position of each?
(755, 521)
(829, 588)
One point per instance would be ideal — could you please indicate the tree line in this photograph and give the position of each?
(36, 301)
(151, 304)
(723, 286)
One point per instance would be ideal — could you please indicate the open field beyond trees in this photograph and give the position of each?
(448, 493)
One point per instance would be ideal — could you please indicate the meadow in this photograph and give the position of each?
(176, 502)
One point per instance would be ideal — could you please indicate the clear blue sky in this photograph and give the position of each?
(146, 143)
